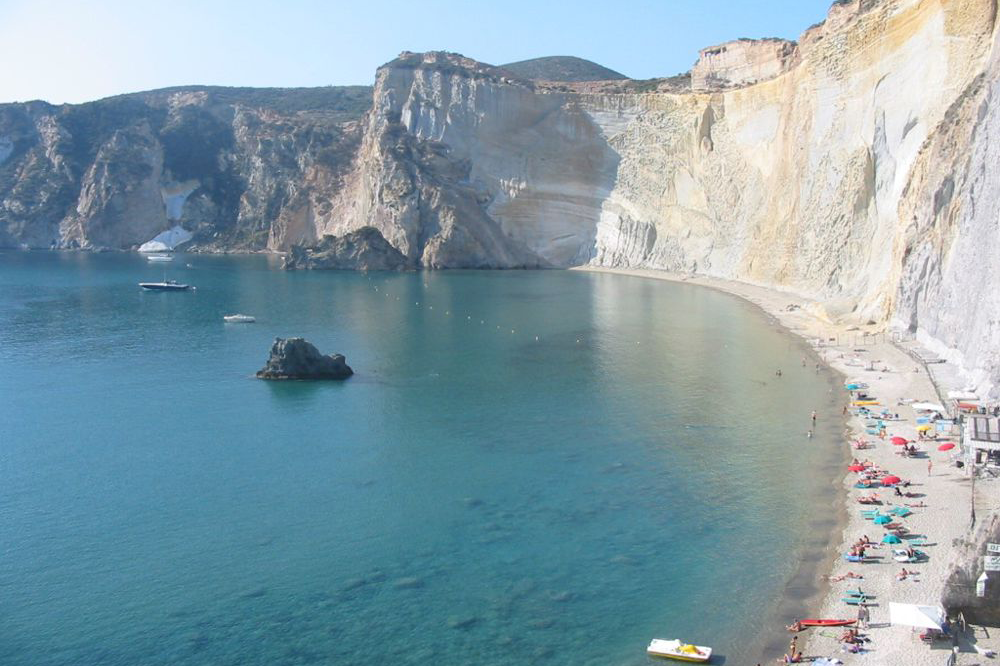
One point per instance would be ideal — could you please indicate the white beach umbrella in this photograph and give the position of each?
(927, 407)
(912, 615)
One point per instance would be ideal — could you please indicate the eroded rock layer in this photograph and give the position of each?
(857, 167)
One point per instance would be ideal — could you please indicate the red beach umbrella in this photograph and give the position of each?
(890, 480)
(855, 468)
(947, 446)
(899, 441)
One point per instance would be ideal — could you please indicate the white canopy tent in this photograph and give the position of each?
(912, 615)
(965, 396)
(927, 407)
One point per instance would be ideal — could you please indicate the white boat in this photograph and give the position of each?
(238, 319)
(166, 285)
(159, 257)
(675, 649)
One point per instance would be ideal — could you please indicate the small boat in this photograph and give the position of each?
(238, 319)
(826, 623)
(166, 285)
(675, 649)
(159, 257)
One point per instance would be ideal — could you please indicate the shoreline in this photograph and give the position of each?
(896, 377)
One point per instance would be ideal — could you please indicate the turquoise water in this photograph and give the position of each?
(472, 495)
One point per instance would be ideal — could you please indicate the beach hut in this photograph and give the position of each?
(914, 615)
(982, 440)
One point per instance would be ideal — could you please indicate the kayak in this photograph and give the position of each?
(826, 623)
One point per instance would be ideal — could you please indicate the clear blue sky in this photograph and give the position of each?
(73, 50)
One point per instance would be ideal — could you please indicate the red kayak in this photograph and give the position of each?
(826, 623)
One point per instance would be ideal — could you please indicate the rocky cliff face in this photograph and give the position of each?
(244, 169)
(857, 167)
(801, 167)
(362, 250)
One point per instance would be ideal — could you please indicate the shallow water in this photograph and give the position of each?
(472, 495)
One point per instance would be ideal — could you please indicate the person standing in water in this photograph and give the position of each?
(814, 417)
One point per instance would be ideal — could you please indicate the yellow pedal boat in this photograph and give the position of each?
(675, 649)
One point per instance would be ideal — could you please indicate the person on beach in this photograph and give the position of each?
(849, 574)
(929, 463)
(795, 626)
(863, 616)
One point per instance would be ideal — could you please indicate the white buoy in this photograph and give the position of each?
(536, 338)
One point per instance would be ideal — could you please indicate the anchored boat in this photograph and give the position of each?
(676, 649)
(166, 285)
(239, 319)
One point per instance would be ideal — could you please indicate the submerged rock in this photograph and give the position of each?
(297, 358)
(363, 250)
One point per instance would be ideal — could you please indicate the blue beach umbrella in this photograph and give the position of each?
(882, 520)
(891, 538)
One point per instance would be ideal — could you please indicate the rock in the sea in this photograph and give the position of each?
(297, 358)
(365, 249)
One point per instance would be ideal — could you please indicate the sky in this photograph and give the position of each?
(76, 51)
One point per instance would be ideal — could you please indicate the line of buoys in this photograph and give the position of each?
(448, 312)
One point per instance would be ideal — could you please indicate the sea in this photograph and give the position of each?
(528, 467)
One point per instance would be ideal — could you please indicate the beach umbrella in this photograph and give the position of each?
(882, 519)
(890, 480)
(923, 428)
(855, 468)
(891, 538)
(947, 446)
(899, 441)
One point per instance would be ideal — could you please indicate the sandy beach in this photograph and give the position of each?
(894, 378)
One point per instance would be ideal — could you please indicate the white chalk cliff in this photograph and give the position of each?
(858, 167)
